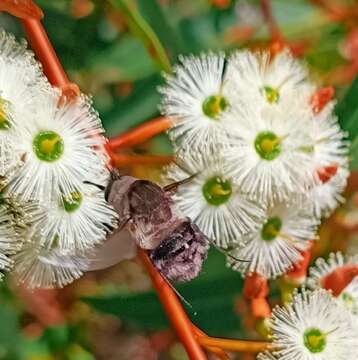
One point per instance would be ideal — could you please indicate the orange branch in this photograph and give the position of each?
(46, 54)
(140, 134)
(174, 310)
(121, 160)
(220, 353)
(234, 345)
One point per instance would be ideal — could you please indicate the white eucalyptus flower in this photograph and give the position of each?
(349, 297)
(271, 150)
(58, 145)
(195, 97)
(267, 356)
(330, 154)
(314, 327)
(275, 247)
(323, 268)
(327, 196)
(10, 242)
(329, 141)
(261, 80)
(76, 222)
(212, 199)
(21, 82)
(40, 267)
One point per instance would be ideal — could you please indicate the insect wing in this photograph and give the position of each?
(152, 217)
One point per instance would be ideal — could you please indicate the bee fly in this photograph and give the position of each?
(176, 245)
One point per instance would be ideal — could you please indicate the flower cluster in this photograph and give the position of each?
(320, 323)
(52, 172)
(313, 326)
(267, 157)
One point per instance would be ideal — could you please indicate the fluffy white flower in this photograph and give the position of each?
(323, 267)
(349, 297)
(275, 247)
(10, 242)
(314, 327)
(272, 149)
(330, 154)
(77, 222)
(267, 356)
(212, 199)
(39, 267)
(196, 97)
(21, 82)
(330, 146)
(58, 145)
(326, 196)
(256, 79)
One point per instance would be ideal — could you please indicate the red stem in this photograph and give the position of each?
(140, 134)
(174, 310)
(122, 160)
(45, 53)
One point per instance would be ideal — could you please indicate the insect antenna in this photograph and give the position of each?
(98, 186)
(178, 294)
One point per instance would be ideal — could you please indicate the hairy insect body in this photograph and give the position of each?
(179, 257)
(178, 248)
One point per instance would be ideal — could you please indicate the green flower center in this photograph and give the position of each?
(349, 301)
(272, 95)
(214, 105)
(315, 340)
(271, 228)
(217, 191)
(4, 120)
(48, 146)
(72, 203)
(268, 145)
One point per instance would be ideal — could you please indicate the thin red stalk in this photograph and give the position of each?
(45, 53)
(174, 310)
(234, 345)
(140, 134)
(121, 160)
(220, 353)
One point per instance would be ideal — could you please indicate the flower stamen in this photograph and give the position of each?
(271, 228)
(217, 191)
(4, 121)
(48, 146)
(315, 340)
(272, 95)
(73, 202)
(214, 105)
(267, 145)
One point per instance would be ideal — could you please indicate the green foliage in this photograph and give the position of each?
(144, 31)
(347, 112)
(213, 292)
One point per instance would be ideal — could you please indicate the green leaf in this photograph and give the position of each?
(144, 31)
(10, 335)
(116, 61)
(140, 106)
(168, 36)
(213, 292)
(347, 112)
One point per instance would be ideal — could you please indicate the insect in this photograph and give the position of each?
(176, 245)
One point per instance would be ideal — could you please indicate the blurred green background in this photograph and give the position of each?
(113, 314)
